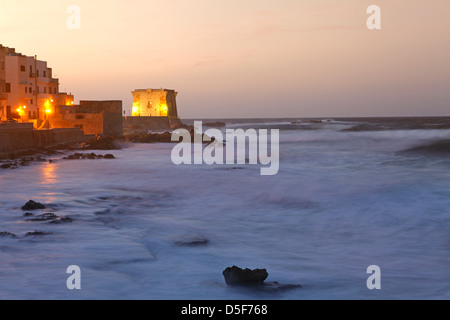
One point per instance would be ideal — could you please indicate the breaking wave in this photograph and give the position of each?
(435, 147)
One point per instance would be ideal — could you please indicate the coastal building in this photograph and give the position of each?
(28, 91)
(153, 110)
(154, 103)
(30, 94)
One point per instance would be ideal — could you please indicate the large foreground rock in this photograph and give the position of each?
(236, 276)
(33, 205)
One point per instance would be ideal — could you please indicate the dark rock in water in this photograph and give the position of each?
(7, 234)
(192, 242)
(89, 156)
(33, 205)
(106, 211)
(5, 166)
(27, 214)
(37, 234)
(277, 287)
(44, 217)
(236, 276)
(53, 218)
(60, 220)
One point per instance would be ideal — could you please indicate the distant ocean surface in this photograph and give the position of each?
(350, 193)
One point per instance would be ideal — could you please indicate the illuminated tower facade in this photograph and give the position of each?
(154, 103)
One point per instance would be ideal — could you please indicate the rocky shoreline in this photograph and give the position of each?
(41, 155)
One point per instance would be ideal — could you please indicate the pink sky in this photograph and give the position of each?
(246, 58)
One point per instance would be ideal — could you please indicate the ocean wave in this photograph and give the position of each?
(437, 147)
(364, 127)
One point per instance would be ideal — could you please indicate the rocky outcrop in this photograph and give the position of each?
(51, 217)
(236, 276)
(33, 205)
(88, 156)
(7, 234)
(101, 143)
(37, 234)
(22, 162)
(165, 137)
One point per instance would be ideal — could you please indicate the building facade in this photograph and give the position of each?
(28, 91)
(155, 103)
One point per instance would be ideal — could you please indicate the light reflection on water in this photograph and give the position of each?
(48, 174)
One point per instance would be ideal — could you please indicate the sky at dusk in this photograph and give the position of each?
(245, 58)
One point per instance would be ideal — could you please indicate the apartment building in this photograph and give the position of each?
(28, 91)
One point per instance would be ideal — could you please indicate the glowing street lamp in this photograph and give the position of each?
(48, 109)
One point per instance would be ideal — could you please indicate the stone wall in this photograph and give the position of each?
(90, 123)
(65, 135)
(16, 136)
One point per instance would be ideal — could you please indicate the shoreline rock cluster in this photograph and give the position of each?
(36, 155)
(47, 217)
(89, 156)
(22, 162)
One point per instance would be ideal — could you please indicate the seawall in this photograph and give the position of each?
(17, 139)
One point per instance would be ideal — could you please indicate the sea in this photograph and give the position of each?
(350, 193)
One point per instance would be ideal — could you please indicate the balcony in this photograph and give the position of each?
(54, 80)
